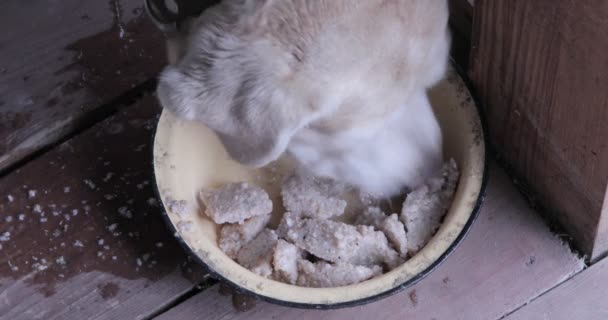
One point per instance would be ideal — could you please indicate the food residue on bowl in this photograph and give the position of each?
(315, 244)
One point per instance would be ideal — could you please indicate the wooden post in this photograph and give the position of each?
(541, 71)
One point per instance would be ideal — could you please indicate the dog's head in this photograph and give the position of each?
(257, 72)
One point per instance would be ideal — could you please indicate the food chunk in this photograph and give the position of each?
(338, 242)
(329, 240)
(236, 202)
(234, 236)
(395, 232)
(424, 207)
(373, 249)
(285, 261)
(312, 197)
(372, 216)
(258, 253)
(324, 275)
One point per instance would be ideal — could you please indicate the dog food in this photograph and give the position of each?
(258, 253)
(312, 197)
(234, 236)
(313, 246)
(424, 207)
(325, 275)
(285, 261)
(235, 203)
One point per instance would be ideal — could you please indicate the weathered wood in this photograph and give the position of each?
(509, 258)
(582, 297)
(62, 59)
(461, 23)
(81, 232)
(541, 71)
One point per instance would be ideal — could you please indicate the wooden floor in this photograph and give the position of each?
(81, 235)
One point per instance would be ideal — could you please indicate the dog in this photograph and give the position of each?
(340, 85)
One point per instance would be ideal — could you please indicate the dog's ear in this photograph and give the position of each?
(239, 98)
(240, 86)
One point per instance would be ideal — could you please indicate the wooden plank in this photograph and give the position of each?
(461, 23)
(509, 258)
(62, 59)
(81, 232)
(541, 71)
(582, 297)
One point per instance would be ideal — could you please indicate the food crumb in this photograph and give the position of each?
(21, 217)
(152, 202)
(185, 226)
(112, 227)
(61, 260)
(66, 189)
(31, 194)
(39, 266)
(78, 243)
(125, 212)
(414, 297)
(179, 207)
(90, 184)
(10, 198)
(108, 176)
(8, 219)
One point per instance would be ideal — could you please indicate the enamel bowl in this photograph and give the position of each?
(189, 157)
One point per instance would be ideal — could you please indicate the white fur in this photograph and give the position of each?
(340, 84)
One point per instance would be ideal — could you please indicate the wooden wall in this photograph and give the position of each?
(541, 71)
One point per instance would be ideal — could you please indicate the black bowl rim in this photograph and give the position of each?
(379, 296)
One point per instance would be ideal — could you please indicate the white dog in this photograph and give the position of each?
(339, 84)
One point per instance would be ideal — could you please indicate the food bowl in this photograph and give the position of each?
(189, 157)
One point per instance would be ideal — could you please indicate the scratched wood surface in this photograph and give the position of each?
(541, 72)
(509, 258)
(61, 61)
(582, 297)
(81, 235)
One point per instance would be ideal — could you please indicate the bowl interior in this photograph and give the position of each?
(189, 157)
